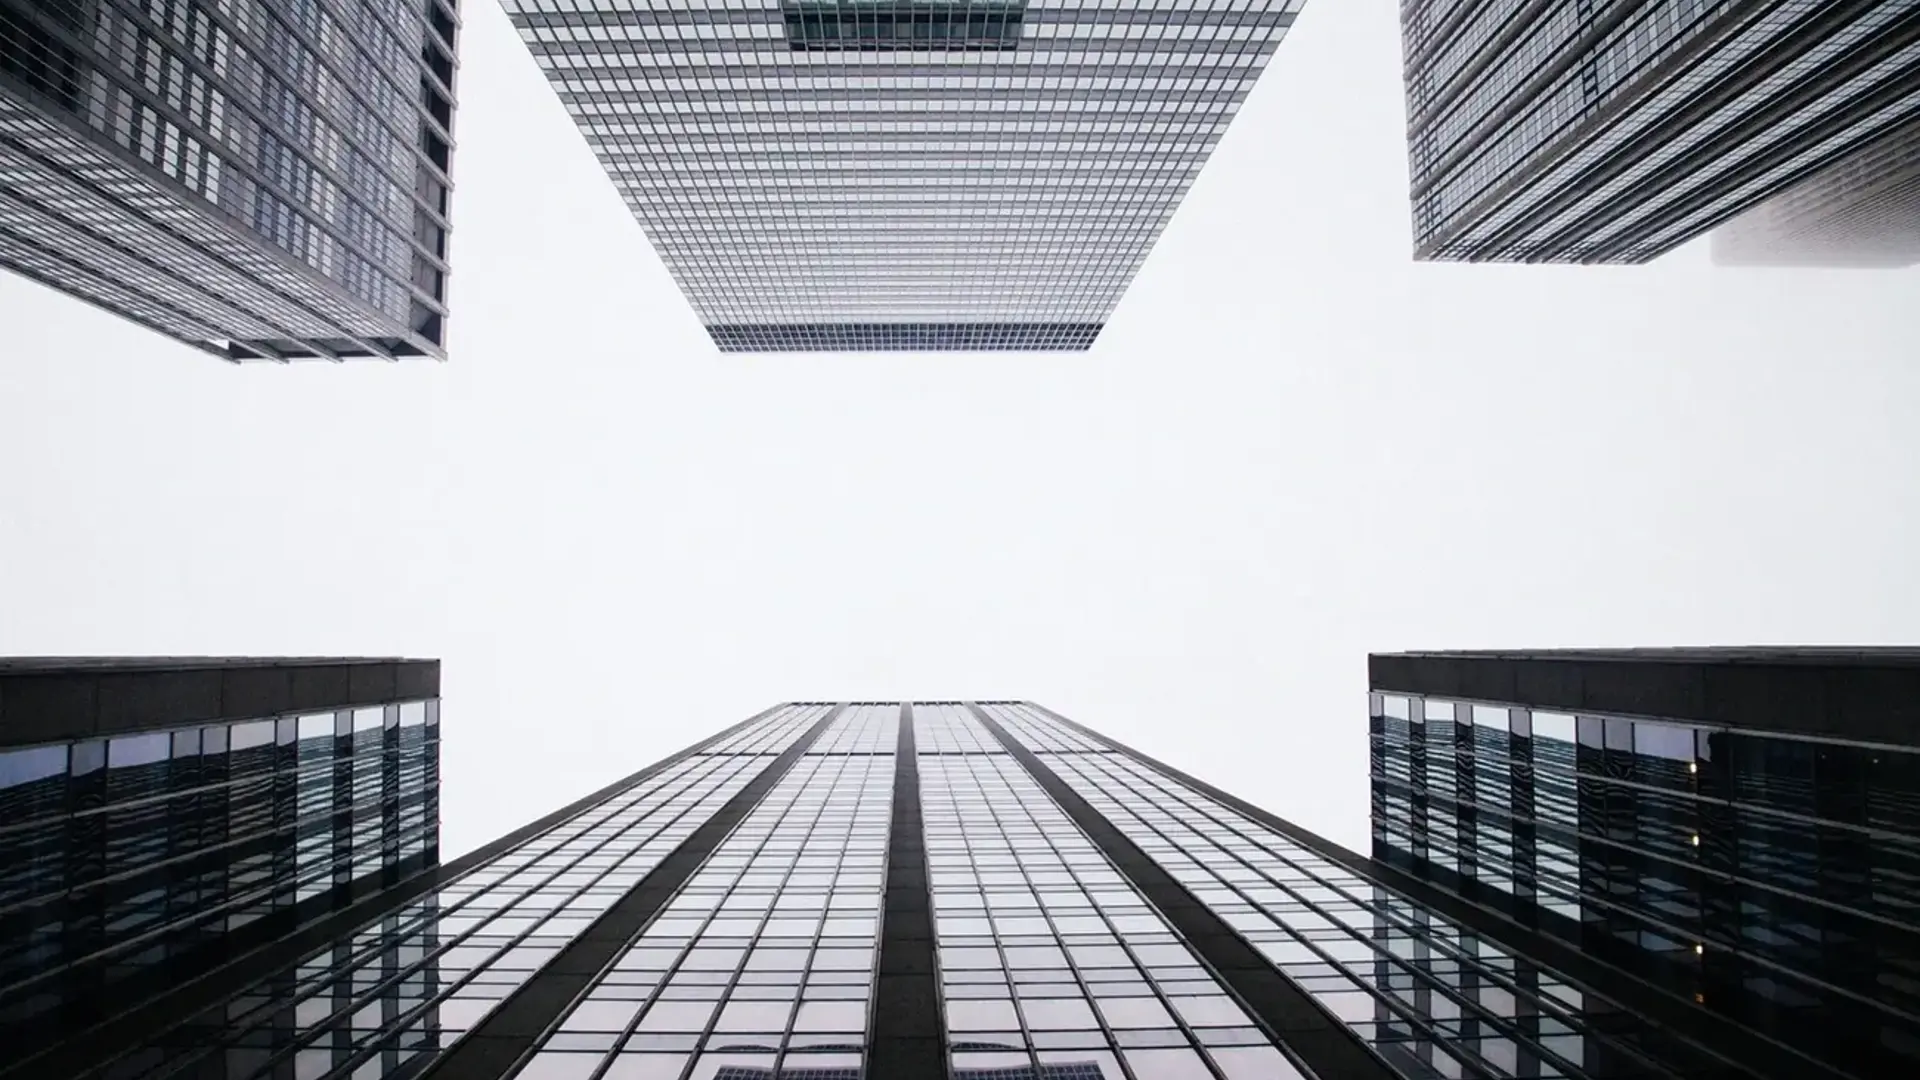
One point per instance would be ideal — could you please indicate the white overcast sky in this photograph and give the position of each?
(1291, 446)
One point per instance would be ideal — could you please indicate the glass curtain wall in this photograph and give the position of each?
(1434, 998)
(762, 964)
(415, 980)
(127, 858)
(1774, 878)
(1051, 963)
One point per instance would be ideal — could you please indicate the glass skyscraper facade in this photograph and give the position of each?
(1613, 132)
(969, 890)
(260, 179)
(1739, 830)
(1862, 211)
(902, 174)
(156, 816)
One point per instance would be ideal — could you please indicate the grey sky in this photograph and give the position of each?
(1289, 447)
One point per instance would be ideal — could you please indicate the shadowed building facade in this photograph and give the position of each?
(972, 891)
(855, 175)
(1548, 131)
(259, 179)
(1737, 831)
(159, 816)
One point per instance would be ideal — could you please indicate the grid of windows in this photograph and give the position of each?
(312, 136)
(1434, 998)
(1772, 878)
(755, 909)
(772, 735)
(945, 728)
(412, 982)
(902, 198)
(1863, 211)
(1049, 958)
(762, 964)
(121, 854)
(911, 337)
(1615, 132)
(903, 25)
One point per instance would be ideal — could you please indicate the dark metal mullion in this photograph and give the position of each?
(1399, 1006)
(389, 980)
(826, 911)
(1086, 988)
(702, 1047)
(134, 1027)
(1710, 1032)
(999, 946)
(1242, 893)
(908, 1031)
(510, 1034)
(1291, 1015)
(464, 980)
(679, 962)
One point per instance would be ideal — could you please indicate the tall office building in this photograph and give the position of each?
(972, 891)
(1862, 211)
(260, 179)
(1612, 133)
(160, 816)
(1737, 831)
(903, 174)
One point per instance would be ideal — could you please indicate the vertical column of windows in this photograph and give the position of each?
(1052, 964)
(761, 965)
(1557, 812)
(1390, 766)
(1442, 787)
(1486, 804)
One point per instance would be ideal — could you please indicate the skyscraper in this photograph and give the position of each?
(260, 179)
(159, 817)
(1862, 211)
(1736, 831)
(903, 174)
(938, 889)
(1612, 133)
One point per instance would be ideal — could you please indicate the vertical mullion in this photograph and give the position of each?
(827, 775)
(1290, 1015)
(511, 1033)
(908, 1035)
